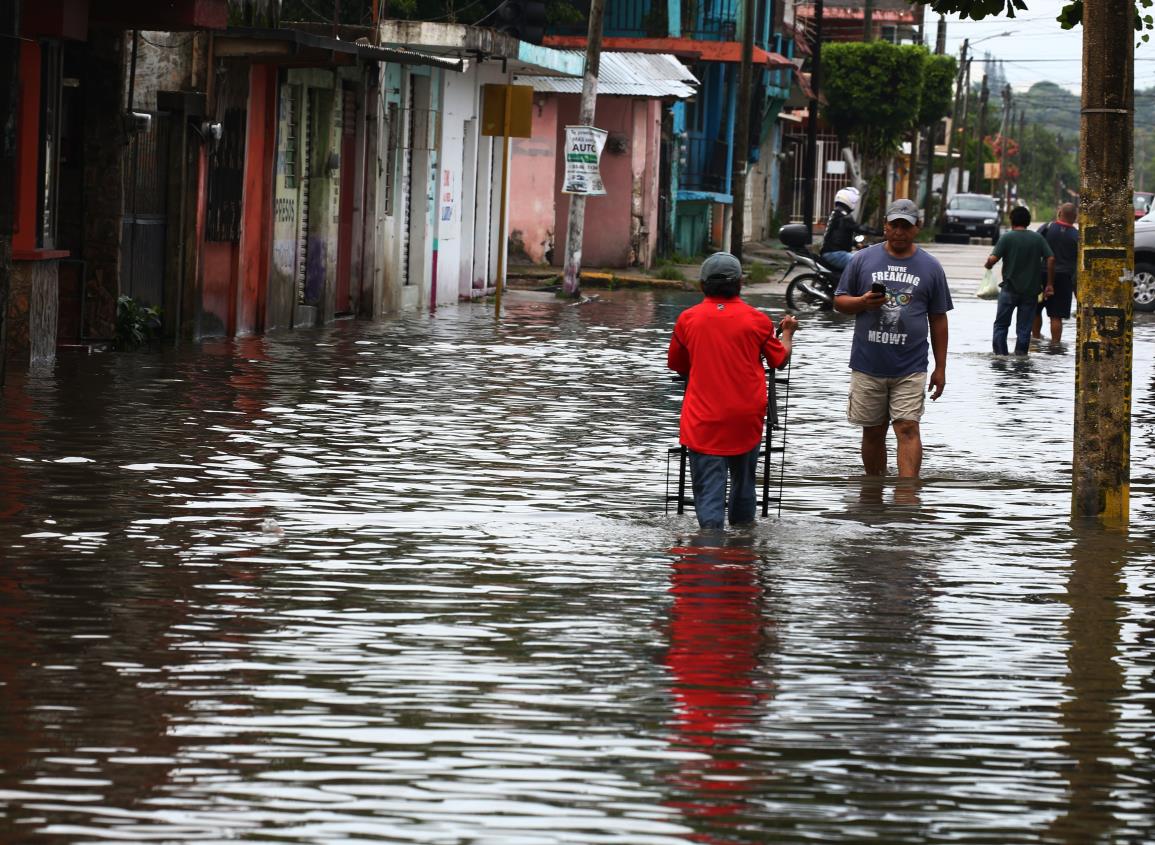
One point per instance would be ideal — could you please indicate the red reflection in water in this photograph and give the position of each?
(718, 634)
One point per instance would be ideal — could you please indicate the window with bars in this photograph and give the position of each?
(225, 179)
(291, 159)
(51, 79)
(392, 142)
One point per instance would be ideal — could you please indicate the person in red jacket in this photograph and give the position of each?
(718, 346)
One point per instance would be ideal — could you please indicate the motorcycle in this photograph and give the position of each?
(813, 290)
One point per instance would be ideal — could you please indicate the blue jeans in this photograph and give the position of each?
(1010, 301)
(836, 258)
(708, 476)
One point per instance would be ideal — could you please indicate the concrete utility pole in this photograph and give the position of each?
(980, 157)
(812, 180)
(9, 103)
(1003, 127)
(954, 127)
(966, 114)
(1021, 138)
(575, 227)
(1101, 471)
(742, 133)
(868, 21)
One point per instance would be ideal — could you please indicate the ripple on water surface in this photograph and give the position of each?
(413, 582)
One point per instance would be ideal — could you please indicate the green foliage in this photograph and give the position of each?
(759, 273)
(938, 74)
(1054, 108)
(1049, 167)
(352, 12)
(669, 271)
(136, 323)
(1069, 17)
(872, 92)
(976, 9)
(561, 12)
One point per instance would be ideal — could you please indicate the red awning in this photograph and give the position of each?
(709, 51)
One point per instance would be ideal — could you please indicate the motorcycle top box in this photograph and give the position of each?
(794, 236)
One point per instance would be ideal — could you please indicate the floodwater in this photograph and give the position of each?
(413, 582)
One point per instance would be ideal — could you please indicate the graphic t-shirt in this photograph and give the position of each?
(1022, 252)
(893, 341)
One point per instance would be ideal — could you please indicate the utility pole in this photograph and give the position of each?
(980, 152)
(966, 113)
(812, 120)
(9, 103)
(954, 127)
(1019, 156)
(577, 203)
(742, 133)
(919, 148)
(1101, 469)
(1003, 127)
(868, 21)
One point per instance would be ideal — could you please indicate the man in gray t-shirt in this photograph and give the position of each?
(901, 297)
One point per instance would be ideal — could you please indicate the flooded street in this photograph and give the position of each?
(413, 582)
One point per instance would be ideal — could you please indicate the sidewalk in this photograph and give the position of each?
(764, 264)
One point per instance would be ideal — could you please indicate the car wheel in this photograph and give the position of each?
(1143, 292)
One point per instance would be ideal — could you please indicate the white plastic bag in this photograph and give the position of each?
(988, 287)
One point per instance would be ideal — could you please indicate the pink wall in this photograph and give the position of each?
(621, 228)
(531, 184)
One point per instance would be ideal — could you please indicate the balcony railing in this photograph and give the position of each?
(703, 165)
(707, 20)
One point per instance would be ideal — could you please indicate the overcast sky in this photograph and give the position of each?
(1037, 48)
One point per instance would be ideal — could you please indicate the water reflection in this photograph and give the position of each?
(470, 619)
(719, 656)
(1095, 694)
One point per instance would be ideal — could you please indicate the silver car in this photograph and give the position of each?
(1143, 295)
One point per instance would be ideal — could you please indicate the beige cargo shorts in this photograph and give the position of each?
(878, 401)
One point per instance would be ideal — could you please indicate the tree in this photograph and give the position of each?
(1070, 17)
(1049, 164)
(938, 73)
(874, 96)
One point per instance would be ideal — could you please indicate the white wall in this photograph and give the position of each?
(459, 104)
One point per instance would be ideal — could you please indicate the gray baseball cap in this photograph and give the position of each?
(721, 265)
(903, 210)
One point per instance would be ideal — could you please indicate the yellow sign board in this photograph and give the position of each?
(494, 112)
(990, 170)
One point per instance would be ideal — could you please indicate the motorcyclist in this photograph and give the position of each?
(841, 227)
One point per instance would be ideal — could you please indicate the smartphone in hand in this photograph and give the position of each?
(878, 287)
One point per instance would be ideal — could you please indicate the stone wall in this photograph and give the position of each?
(33, 313)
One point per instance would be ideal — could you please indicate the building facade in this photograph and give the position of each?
(706, 36)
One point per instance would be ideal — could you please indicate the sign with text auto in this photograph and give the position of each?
(583, 149)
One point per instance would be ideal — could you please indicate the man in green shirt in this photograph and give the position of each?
(1023, 254)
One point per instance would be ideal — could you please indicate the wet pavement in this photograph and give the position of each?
(413, 582)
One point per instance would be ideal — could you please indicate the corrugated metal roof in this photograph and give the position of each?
(626, 75)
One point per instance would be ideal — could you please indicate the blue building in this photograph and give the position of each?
(698, 134)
